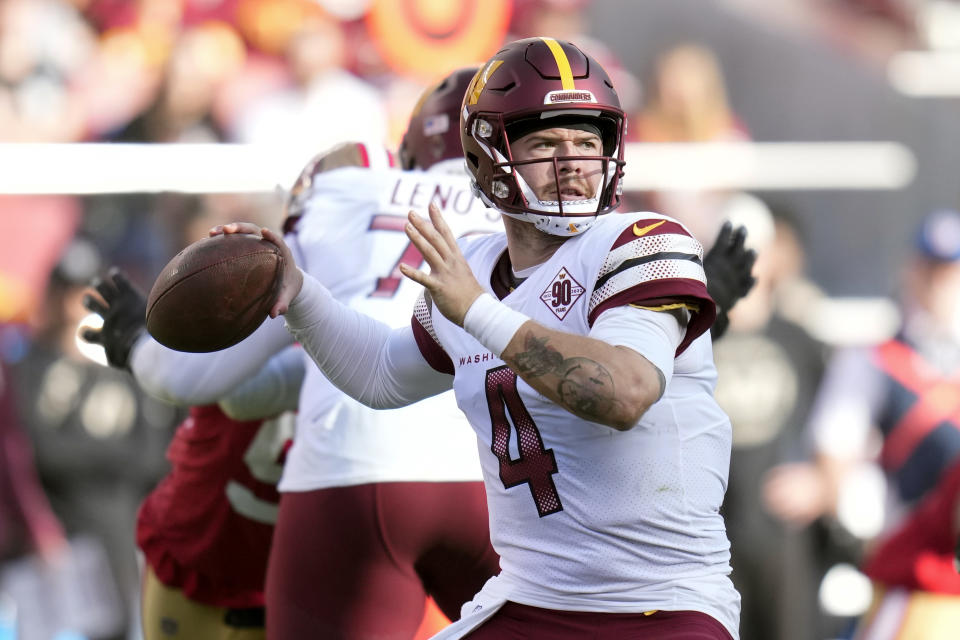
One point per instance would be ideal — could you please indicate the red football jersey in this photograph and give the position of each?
(919, 554)
(206, 528)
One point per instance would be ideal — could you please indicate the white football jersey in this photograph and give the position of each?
(585, 517)
(351, 239)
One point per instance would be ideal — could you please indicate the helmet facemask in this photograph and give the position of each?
(514, 196)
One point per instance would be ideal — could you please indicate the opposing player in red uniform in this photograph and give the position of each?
(577, 347)
(205, 530)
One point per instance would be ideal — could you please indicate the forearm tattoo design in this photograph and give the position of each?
(585, 386)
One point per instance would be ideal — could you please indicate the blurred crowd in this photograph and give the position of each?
(80, 444)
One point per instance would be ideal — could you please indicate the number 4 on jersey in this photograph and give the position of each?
(536, 465)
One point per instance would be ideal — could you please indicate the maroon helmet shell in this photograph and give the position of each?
(433, 135)
(539, 83)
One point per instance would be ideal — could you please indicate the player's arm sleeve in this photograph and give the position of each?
(655, 335)
(660, 270)
(381, 367)
(197, 379)
(271, 391)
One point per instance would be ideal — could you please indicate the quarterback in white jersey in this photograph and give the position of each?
(650, 494)
(577, 347)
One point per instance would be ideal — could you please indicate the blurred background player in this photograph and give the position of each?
(205, 529)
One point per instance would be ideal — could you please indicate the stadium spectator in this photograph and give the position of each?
(98, 438)
(890, 406)
(44, 45)
(27, 524)
(686, 101)
(300, 117)
(768, 370)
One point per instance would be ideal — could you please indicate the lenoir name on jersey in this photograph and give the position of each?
(454, 198)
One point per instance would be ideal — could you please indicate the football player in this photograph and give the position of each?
(205, 529)
(577, 345)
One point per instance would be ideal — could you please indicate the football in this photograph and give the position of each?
(214, 293)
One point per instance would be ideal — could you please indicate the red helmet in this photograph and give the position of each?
(432, 135)
(533, 84)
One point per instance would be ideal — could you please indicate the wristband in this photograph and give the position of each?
(492, 323)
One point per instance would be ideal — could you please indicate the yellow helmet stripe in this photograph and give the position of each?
(480, 81)
(566, 75)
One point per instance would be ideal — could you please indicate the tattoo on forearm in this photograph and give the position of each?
(585, 386)
(538, 359)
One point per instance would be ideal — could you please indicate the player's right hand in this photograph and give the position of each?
(123, 309)
(292, 276)
(451, 283)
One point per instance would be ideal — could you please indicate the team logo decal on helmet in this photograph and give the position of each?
(535, 84)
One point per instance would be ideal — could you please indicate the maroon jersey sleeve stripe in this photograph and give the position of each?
(660, 292)
(630, 233)
(432, 352)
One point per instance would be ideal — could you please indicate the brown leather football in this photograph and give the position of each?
(214, 293)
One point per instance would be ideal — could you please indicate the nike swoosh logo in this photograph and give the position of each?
(642, 231)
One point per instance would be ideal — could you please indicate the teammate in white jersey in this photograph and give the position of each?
(578, 348)
(379, 508)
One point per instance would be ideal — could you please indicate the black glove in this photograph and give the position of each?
(124, 316)
(728, 266)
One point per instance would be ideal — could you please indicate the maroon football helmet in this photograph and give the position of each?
(433, 135)
(532, 84)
